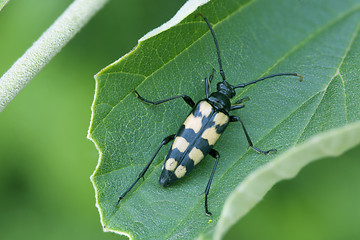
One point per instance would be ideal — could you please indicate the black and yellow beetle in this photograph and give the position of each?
(201, 129)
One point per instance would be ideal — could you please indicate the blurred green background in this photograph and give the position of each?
(46, 160)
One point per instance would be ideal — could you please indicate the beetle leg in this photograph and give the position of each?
(214, 154)
(208, 82)
(237, 106)
(164, 142)
(237, 119)
(186, 98)
(244, 99)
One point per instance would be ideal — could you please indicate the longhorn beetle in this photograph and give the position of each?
(202, 128)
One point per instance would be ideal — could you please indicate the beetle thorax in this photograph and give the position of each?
(220, 101)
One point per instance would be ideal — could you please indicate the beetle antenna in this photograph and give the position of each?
(216, 44)
(270, 76)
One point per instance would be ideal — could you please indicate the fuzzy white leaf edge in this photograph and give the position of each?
(287, 165)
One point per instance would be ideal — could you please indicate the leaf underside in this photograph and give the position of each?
(318, 39)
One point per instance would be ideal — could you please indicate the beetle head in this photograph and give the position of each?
(226, 89)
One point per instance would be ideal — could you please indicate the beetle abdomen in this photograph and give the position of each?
(194, 140)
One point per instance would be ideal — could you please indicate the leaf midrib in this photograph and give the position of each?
(337, 73)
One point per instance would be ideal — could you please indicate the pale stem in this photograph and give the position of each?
(2, 3)
(46, 47)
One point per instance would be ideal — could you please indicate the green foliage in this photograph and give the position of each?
(318, 40)
(287, 165)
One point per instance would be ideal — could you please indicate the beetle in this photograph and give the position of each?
(201, 129)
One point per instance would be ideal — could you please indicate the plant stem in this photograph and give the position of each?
(46, 47)
(2, 3)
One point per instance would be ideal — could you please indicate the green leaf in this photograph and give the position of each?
(287, 165)
(319, 40)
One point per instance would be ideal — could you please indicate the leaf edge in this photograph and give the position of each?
(254, 187)
(189, 7)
